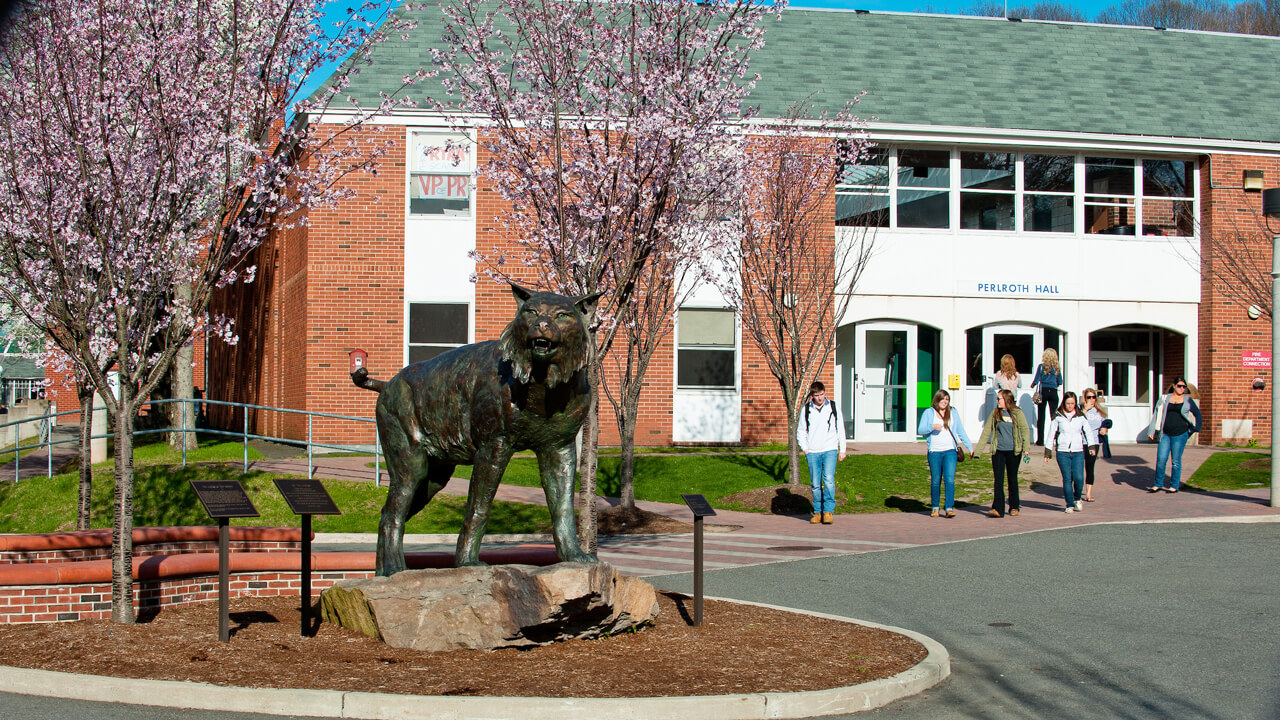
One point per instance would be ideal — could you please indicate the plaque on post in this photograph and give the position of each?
(306, 498)
(701, 508)
(223, 500)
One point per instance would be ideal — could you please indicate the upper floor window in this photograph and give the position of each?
(1018, 192)
(924, 179)
(987, 190)
(1049, 187)
(439, 175)
(706, 349)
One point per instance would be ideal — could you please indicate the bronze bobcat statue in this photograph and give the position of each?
(478, 404)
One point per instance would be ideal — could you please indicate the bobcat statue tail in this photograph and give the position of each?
(362, 380)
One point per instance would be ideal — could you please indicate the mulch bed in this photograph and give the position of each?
(737, 649)
(617, 521)
(783, 499)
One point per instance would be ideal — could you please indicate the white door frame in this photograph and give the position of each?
(868, 425)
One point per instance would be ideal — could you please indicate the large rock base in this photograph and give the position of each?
(491, 607)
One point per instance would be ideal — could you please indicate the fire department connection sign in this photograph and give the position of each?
(1257, 359)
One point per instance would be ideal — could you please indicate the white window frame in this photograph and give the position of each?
(408, 326)
(467, 171)
(1080, 199)
(736, 349)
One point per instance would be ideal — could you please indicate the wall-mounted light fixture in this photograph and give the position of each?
(1253, 180)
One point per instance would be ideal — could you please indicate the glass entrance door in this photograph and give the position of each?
(884, 388)
(1026, 344)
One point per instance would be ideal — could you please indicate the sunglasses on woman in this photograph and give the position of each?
(1089, 397)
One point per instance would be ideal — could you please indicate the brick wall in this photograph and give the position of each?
(1226, 332)
(62, 603)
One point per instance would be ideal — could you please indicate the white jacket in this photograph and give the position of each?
(1069, 434)
(824, 430)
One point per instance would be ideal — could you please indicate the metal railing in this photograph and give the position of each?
(45, 435)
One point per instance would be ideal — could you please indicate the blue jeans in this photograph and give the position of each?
(1170, 448)
(822, 478)
(1071, 465)
(942, 466)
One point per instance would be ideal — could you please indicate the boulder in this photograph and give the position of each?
(491, 607)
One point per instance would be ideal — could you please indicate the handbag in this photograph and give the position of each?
(959, 452)
(1035, 396)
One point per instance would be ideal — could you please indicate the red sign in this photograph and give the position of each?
(1257, 359)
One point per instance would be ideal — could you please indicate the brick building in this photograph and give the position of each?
(1037, 184)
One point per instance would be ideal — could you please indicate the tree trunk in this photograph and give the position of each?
(122, 525)
(793, 449)
(627, 469)
(588, 460)
(182, 387)
(84, 505)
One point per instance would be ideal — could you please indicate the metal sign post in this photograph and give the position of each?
(701, 508)
(306, 498)
(223, 500)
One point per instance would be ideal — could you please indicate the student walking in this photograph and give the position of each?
(1047, 380)
(1096, 413)
(1008, 377)
(1071, 436)
(1007, 428)
(945, 440)
(820, 435)
(1177, 416)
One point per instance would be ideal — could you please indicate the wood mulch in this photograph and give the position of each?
(737, 649)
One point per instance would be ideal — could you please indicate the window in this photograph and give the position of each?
(862, 198)
(439, 175)
(912, 188)
(1109, 206)
(1168, 190)
(924, 181)
(1048, 204)
(706, 349)
(986, 190)
(435, 328)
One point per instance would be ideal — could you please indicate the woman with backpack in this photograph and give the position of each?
(1071, 435)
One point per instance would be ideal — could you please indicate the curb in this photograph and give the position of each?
(935, 668)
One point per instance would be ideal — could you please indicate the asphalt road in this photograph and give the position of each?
(1120, 621)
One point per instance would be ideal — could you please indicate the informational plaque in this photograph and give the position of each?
(699, 505)
(224, 498)
(306, 497)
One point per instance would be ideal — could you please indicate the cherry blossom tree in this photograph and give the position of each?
(666, 282)
(148, 146)
(790, 277)
(609, 125)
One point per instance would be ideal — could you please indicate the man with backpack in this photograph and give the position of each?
(820, 435)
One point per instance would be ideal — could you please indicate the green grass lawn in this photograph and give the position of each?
(1232, 471)
(163, 496)
(870, 483)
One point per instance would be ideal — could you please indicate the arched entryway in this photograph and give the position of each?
(1131, 364)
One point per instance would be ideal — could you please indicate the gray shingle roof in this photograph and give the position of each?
(980, 72)
(15, 368)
